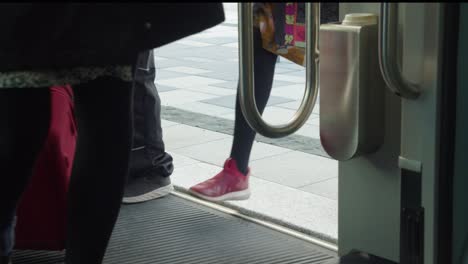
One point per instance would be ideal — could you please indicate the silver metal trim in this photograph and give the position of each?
(275, 227)
(391, 70)
(246, 73)
(138, 148)
(411, 165)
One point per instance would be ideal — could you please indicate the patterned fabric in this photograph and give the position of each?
(294, 32)
(282, 26)
(73, 76)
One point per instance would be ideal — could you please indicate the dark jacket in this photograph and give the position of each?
(38, 35)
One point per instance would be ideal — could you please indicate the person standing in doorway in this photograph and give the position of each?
(273, 35)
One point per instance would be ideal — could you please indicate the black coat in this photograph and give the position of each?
(38, 35)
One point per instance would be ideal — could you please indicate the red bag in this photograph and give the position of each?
(41, 222)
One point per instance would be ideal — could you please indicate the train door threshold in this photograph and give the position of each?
(177, 230)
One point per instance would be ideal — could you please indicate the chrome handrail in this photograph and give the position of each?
(246, 74)
(391, 70)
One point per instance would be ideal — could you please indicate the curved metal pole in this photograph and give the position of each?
(391, 71)
(246, 74)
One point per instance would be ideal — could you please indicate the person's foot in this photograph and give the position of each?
(229, 184)
(147, 187)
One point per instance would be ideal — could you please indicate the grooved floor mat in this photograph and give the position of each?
(172, 230)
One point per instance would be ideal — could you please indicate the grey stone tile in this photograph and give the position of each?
(180, 96)
(230, 10)
(295, 169)
(314, 214)
(219, 66)
(203, 108)
(288, 64)
(181, 136)
(214, 35)
(228, 85)
(225, 67)
(169, 47)
(189, 81)
(169, 63)
(222, 28)
(289, 78)
(217, 41)
(163, 88)
(295, 105)
(233, 84)
(230, 101)
(159, 58)
(280, 84)
(281, 70)
(314, 120)
(297, 73)
(208, 89)
(294, 92)
(162, 74)
(219, 53)
(193, 43)
(214, 52)
(196, 59)
(229, 116)
(308, 130)
(187, 70)
(196, 63)
(314, 115)
(231, 24)
(328, 188)
(223, 101)
(222, 31)
(234, 45)
(181, 161)
(167, 123)
(176, 54)
(226, 76)
(276, 115)
(189, 175)
(216, 152)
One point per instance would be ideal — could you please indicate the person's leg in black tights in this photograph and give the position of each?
(24, 124)
(264, 67)
(104, 121)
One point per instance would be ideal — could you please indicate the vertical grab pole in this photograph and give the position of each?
(391, 71)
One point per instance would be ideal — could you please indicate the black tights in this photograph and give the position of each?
(264, 67)
(103, 111)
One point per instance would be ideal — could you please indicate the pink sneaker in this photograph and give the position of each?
(229, 184)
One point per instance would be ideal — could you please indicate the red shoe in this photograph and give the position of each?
(229, 184)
